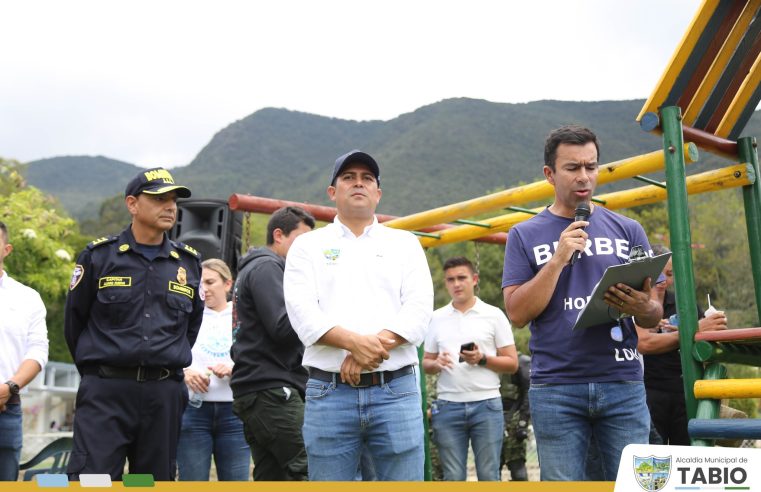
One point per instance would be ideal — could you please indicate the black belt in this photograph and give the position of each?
(13, 400)
(137, 373)
(365, 379)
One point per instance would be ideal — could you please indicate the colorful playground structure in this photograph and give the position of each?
(705, 98)
(707, 94)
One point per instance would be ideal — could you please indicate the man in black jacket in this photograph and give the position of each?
(268, 380)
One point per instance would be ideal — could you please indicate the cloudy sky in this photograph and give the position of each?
(151, 81)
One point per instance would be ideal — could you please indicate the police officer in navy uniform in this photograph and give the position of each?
(132, 315)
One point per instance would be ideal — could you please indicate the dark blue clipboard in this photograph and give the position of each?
(633, 274)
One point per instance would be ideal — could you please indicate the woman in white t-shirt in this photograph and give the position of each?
(208, 424)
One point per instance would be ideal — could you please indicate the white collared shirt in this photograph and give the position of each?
(379, 280)
(23, 332)
(450, 328)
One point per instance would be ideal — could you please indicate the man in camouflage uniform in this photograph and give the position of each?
(514, 390)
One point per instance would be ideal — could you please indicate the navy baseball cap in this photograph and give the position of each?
(155, 181)
(355, 156)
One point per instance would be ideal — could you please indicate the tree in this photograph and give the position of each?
(44, 242)
(113, 217)
(748, 405)
(720, 252)
(488, 260)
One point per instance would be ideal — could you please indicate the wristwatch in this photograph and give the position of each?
(13, 387)
(482, 362)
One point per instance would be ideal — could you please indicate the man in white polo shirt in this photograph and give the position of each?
(360, 296)
(469, 342)
(23, 354)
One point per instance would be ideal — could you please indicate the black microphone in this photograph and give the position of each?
(582, 213)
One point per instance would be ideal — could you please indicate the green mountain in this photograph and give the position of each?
(445, 152)
(452, 150)
(81, 183)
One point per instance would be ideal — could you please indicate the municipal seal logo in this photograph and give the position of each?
(332, 254)
(652, 473)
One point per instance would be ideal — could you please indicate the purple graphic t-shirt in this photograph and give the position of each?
(560, 354)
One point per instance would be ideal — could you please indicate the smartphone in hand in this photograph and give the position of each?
(467, 346)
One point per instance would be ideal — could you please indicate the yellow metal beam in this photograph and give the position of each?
(540, 190)
(718, 179)
(720, 62)
(728, 388)
(741, 99)
(679, 58)
(714, 180)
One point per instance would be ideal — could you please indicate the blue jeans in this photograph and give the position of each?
(385, 421)
(456, 423)
(566, 416)
(366, 472)
(10, 442)
(594, 467)
(212, 429)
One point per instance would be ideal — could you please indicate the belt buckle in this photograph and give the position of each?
(140, 374)
(373, 379)
(164, 373)
(360, 385)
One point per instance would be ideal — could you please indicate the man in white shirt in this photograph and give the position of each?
(23, 354)
(468, 342)
(360, 296)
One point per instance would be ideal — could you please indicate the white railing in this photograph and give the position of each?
(57, 378)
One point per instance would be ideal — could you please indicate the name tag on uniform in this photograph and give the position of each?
(105, 282)
(181, 289)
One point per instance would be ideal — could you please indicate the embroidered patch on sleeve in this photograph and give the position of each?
(76, 276)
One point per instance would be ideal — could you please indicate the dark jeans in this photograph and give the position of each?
(10, 442)
(272, 426)
(669, 414)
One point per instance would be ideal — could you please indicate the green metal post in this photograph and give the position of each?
(748, 153)
(708, 409)
(681, 240)
(424, 400)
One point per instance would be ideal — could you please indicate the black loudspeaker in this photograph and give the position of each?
(210, 227)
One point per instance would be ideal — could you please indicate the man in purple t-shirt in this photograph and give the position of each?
(586, 382)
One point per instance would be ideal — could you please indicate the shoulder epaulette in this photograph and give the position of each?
(101, 241)
(187, 249)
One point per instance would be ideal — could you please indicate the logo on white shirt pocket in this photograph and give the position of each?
(331, 255)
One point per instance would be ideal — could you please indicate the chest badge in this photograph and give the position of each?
(182, 277)
(332, 254)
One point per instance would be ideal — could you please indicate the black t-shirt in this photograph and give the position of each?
(664, 371)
